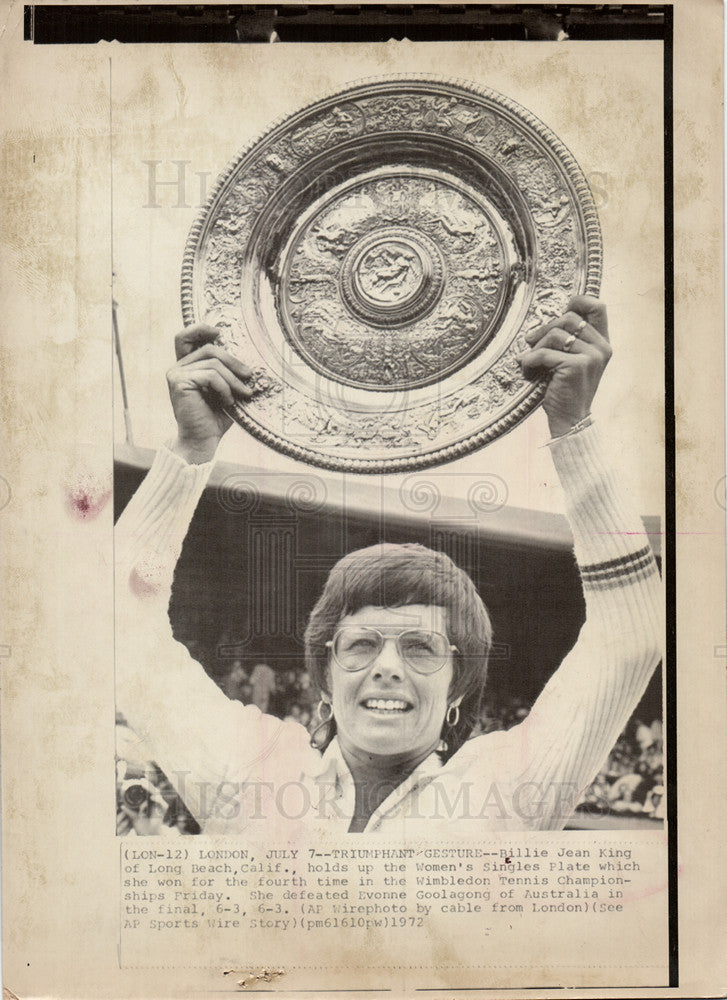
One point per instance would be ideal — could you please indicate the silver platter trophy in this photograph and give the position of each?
(377, 257)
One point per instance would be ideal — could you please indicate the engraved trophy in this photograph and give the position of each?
(377, 257)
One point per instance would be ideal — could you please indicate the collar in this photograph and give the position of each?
(332, 769)
(332, 763)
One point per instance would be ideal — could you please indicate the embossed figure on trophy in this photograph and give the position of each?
(299, 290)
(461, 316)
(479, 128)
(278, 164)
(320, 321)
(390, 271)
(462, 226)
(335, 344)
(252, 193)
(486, 278)
(388, 112)
(509, 146)
(553, 210)
(549, 303)
(332, 238)
(339, 122)
(446, 114)
(462, 120)
(483, 265)
(397, 199)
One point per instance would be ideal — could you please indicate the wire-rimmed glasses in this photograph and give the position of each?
(355, 647)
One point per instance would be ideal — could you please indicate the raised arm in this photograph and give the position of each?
(197, 735)
(584, 707)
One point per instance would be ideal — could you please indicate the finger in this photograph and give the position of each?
(184, 373)
(193, 337)
(591, 309)
(547, 359)
(559, 339)
(212, 382)
(213, 351)
(572, 323)
(207, 381)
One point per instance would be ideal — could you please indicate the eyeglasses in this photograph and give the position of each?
(355, 647)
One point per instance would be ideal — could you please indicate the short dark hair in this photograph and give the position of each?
(392, 576)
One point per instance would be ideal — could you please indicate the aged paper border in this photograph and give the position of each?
(51, 785)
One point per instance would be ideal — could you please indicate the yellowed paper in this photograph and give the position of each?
(109, 152)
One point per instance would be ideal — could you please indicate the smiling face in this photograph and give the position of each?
(388, 709)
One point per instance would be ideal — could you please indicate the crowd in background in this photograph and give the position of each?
(285, 693)
(631, 781)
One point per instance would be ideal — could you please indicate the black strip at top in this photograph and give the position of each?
(84, 24)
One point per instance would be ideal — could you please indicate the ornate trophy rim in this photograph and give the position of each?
(529, 395)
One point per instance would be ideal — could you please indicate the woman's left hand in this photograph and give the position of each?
(575, 350)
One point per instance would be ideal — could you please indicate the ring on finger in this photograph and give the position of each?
(569, 342)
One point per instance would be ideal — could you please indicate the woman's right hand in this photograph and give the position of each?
(205, 381)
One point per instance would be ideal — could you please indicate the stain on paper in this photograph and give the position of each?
(87, 493)
(250, 978)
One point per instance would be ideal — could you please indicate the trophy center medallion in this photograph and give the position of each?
(389, 274)
(392, 277)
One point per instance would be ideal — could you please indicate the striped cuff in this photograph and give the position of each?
(616, 572)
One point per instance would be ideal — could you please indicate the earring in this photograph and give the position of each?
(324, 722)
(452, 722)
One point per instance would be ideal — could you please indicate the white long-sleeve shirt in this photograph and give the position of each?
(240, 770)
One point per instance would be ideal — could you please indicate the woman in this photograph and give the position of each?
(397, 644)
